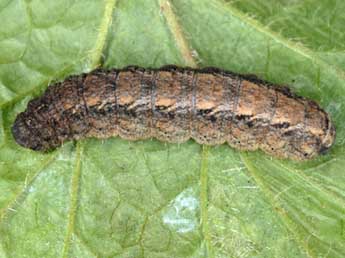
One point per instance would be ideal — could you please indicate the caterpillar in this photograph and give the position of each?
(174, 104)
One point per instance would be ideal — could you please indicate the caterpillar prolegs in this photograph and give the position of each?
(174, 104)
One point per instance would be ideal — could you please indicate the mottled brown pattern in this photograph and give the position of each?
(174, 104)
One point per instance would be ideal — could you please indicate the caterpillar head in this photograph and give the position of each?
(32, 133)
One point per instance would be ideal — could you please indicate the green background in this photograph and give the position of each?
(115, 198)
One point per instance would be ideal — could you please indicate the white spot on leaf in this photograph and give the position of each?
(181, 214)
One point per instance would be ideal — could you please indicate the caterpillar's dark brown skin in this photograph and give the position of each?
(174, 104)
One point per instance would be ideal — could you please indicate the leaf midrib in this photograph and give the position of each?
(74, 198)
(95, 58)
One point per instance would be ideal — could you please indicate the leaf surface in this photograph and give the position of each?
(116, 198)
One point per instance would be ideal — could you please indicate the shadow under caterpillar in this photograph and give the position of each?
(173, 104)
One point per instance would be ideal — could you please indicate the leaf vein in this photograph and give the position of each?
(103, 32)
(28, 182)
(176, 32)
(279, 210)
(74, 192)
(314, 184)
(204, 200)
(297, 48)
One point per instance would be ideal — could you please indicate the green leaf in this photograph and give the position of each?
(116, 198)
